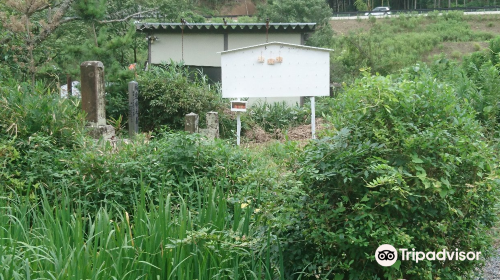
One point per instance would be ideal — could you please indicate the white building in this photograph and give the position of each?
(199, 44)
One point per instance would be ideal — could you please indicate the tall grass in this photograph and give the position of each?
(160, 241)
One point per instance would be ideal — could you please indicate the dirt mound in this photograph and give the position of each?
(301, 132)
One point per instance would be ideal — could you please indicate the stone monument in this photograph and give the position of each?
(93, 99)
(133, 109)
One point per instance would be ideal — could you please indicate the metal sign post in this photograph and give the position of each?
(238, 128)
(313, 118)
(238, 106)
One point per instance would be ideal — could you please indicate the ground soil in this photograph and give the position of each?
(302, 132)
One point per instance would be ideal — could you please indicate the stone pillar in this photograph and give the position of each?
(212, 130)
(92, 91)
(133, 108)
(93, 102)
(191, 123)
(212, 125)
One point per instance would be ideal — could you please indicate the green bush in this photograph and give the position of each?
(278, 116)
(407, 165)
(170, 92)
(27, 110)
(316, 11)
(495, 51)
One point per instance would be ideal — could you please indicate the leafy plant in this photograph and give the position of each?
(26, 110)
(169, 92)
(160, 240)
(277, 116)
(316, 11)
(407, 165)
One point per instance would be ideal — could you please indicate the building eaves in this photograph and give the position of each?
(221, 27)
(278, 43)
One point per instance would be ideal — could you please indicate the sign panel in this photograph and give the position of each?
(238, 106)
(275, 70)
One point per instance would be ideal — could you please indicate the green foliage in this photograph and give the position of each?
(27, 110)
(476, 81)
(162, 240)
(316, 11)
(361, 5)
(191, 17)
(90, 9)
(407, 165)
(398, 42)
(495, 51)
(168, 93)
(278, 116)
(322, 37)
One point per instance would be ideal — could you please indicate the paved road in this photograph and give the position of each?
(365, 17)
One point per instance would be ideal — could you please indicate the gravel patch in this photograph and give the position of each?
(491, 270)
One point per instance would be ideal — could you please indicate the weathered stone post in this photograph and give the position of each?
(93, 102)
(212, 125)
(191, 123)
(133, 108)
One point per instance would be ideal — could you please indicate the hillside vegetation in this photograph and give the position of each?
(386, 45)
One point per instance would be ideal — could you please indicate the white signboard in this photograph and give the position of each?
(275, 70)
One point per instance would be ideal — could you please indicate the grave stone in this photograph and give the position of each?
(212, 130)
(133, 108)
(93, 102)
(191, 123)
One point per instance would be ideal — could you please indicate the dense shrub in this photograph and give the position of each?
(407, 165)
(170, 92)
(495, 51)
(278, 116)
(26, 110)
(476, 81)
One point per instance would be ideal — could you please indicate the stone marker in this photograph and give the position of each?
(92, 91)
(191, 123)
(133, 108)
(212, 130)
(93, 102)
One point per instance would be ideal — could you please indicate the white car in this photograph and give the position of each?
(379, 11)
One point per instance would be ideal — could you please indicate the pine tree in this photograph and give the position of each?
(28, 24)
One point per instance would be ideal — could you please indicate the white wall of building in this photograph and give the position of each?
(241, 40)
(199, 49)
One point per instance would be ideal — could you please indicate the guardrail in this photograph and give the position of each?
(421, 11)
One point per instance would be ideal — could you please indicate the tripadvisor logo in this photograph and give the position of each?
(387, 255)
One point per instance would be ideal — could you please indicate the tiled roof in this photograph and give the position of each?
(221, 27)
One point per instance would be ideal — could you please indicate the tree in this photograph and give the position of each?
(30, 22)
(316, 11)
